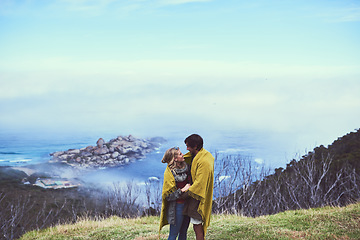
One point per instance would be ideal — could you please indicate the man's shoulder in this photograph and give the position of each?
(206, 157)
(206, 153)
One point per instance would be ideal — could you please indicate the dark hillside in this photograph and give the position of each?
(8, 174)
(346, 150)
(325, 176)
(24, 207)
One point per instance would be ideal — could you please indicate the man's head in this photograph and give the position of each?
(194, 143)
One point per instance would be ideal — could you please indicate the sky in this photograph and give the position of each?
(151, 67)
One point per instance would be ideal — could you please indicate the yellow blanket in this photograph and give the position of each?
(169, 186)
(202, 173)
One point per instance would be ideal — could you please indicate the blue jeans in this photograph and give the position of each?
(181, 224)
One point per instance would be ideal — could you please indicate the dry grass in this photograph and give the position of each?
(321, 223)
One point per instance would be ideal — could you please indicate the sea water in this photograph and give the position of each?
(31, 147)
(21, 149)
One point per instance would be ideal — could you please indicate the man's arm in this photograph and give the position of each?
(201, 179)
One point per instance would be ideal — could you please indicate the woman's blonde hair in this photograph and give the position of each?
(169, 157)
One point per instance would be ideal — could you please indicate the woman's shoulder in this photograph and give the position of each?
(185, 168)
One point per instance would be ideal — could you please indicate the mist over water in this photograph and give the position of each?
(272, 149)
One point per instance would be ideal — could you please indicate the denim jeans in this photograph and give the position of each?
(181, 224)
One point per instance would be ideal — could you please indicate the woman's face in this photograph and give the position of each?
(179, 157)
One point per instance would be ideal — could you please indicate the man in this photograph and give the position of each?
(201, 191)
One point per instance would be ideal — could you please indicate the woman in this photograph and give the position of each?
(176, 182)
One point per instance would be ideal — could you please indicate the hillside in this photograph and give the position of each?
(325, 176)
(319, 223)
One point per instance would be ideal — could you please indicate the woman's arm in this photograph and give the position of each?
(174, 195)
(177, 194)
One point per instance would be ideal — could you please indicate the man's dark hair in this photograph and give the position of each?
(194, 141)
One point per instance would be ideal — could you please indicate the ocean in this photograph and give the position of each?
(19, 149)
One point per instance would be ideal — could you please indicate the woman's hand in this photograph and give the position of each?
(184, 189)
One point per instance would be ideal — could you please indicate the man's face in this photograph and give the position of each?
(192, 150)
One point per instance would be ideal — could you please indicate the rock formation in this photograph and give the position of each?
(116, 152)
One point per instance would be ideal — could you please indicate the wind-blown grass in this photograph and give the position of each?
(319, 223)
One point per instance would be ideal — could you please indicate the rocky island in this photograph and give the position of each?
(116, 152)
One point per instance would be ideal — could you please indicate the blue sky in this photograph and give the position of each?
(151, 66)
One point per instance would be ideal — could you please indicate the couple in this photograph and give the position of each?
(187, 189)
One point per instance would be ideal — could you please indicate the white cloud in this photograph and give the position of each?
(175, 2)
(342, 14)
(99, 7)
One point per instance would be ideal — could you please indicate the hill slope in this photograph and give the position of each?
(319, 223)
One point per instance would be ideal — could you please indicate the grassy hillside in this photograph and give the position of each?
(320, 223)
